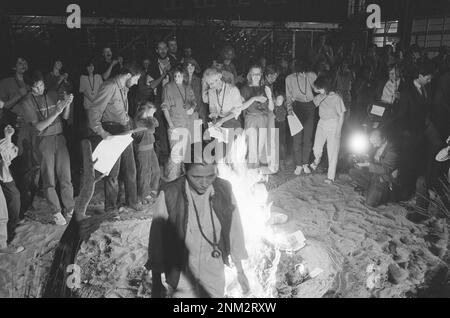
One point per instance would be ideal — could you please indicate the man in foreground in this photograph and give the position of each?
(195, 229)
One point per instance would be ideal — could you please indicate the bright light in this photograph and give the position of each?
(359, 143)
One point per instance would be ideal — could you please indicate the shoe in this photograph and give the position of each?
(328, 181)
(306, 169)
(314, 166)
(298, 170)
(59, 219)
(12, 249)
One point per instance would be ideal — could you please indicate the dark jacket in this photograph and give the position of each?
(388, 163)
(167, 251)
(414, 110)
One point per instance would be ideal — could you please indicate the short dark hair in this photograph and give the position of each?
(271, 69)
(324, 81)
(34, 77)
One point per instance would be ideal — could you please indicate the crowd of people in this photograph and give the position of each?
(329, 90)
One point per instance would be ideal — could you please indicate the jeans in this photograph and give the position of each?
(125, 164)
(55, 158)
(377, 192)
(302, 142)
(12, 197)
(148, 173)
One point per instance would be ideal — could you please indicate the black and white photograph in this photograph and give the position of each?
(246, 151)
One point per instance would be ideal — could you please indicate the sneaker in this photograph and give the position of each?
(59, 219)
(298, 170)
(306, 169)
(328, 181)
(12, 249)
(314, 166)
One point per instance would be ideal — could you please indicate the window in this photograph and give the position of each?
(386, 34)
(205, 3)
(431, 32)
(238, 3)
(173, 4)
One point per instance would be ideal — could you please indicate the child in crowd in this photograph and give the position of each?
(147, 165)
(331, 113)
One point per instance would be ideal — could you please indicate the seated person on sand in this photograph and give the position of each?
(377, 176)
(195, 229)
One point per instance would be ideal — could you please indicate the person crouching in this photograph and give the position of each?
(147, 166)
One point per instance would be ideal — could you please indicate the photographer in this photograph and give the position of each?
(376, 176)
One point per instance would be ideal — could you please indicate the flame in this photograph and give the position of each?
(251, 198)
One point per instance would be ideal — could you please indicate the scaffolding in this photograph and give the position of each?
(128, 35)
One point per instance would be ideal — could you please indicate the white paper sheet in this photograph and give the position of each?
(294, 124)
(108, 151)
(377, 110)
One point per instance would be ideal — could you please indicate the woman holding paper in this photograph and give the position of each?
(299, 102)
(331, 113)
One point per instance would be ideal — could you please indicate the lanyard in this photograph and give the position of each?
(306, 84)
(39, 108)
(93, 82)
(216, 252)
(223, 98)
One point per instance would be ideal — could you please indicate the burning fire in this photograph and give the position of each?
(251, 196)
